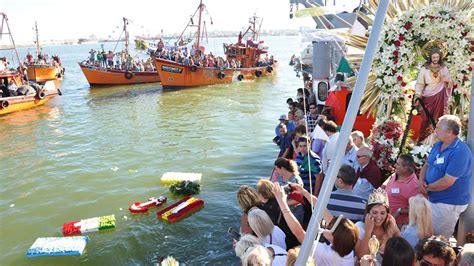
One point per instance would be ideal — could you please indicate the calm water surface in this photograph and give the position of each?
(94, 151)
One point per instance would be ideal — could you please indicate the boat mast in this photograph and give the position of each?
(253, 22)
(199, 26)
(5, 19)
(38, 49)
(125, 22)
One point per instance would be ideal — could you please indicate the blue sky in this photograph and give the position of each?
(75, 19)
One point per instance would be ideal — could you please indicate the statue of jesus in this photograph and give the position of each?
(433, 86)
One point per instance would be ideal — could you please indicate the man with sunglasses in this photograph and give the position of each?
(312, 117)
(435, 251)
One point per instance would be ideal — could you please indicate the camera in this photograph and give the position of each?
(287, 189)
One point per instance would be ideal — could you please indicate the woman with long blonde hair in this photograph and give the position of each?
(420, 225)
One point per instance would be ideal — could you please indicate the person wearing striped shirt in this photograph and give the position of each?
(343, 200)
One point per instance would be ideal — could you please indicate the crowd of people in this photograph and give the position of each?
(119, 61)
(42, 59)
(10, 89)
(411, 214)
(192, 57)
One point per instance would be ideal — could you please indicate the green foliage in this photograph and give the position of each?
(185, 188)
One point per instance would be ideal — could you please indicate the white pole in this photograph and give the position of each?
(466, 220)
(343, 138)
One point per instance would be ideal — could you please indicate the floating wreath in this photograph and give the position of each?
(185, 188)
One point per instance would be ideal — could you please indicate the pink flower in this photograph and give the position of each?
(401, 37)
(397, 43)
(395, 53)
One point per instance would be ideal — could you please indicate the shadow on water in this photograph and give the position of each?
(101, 93)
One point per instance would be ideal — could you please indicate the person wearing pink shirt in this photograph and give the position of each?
(400, 187)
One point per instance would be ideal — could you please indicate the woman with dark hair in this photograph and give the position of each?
(287, 171)
(377, 222)
(397, 252)
(270, 206)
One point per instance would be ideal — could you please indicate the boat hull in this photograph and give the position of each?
(96, 76)
(175, 75)
(42, 73)
(18, 103)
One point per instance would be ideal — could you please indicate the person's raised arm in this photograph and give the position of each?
(311, 198)
(290, 219)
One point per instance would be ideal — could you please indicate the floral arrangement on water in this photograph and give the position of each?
(397, 61)
(185, 188)
(385, 141)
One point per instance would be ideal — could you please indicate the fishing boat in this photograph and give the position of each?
(109, 72)
(244, 61)
(16, 93)
(41, 68)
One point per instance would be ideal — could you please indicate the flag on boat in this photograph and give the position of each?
(344, 67)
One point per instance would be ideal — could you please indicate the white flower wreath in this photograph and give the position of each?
(397, 61)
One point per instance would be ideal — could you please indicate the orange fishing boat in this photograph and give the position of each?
(43, 72)
(243, 61)
(103, 76)
(106, 73)
(39, 69)
(15, 93)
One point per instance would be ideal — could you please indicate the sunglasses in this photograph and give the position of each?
(423, 262)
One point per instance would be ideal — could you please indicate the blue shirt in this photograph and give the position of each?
(454, 161)
(285, 143)
(289, 128)
(304, 164)
(347, 203)
(411, 235)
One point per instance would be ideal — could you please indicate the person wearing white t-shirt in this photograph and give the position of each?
(264, 229)
(329, 151)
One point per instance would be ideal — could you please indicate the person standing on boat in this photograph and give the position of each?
(286, 149)
(433, 86)
(446, 176)
(312, 117)
(92, 56)
(160, 46)
(110, 59)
